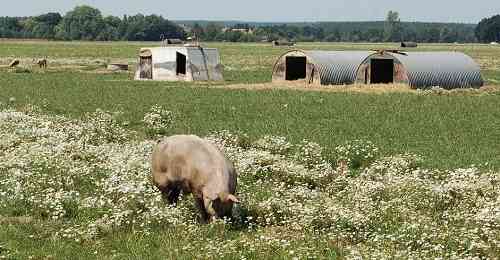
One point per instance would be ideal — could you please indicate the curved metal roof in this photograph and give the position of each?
(337, 67)
(443, 69)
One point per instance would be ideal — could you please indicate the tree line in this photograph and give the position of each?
(344, 32)
(390, 30)
(87, 23)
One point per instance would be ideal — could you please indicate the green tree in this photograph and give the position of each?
(488, 30)
(44, 26)
(212, 32)
(393, 27)
(111, 30)
(82, 23)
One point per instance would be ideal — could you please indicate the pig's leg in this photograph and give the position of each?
(203, 217)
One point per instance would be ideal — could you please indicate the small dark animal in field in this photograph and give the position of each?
(189, 164)
(42, 63)
(14, 63)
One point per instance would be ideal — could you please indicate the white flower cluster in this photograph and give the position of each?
(102, 127)
(357, 153)
(274, 144)
(55, 168)
(158, 120)
(225, 138)
(52, 170)
(310, 154)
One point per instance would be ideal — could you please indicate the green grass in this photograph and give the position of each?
(162, 244)
(448, 130)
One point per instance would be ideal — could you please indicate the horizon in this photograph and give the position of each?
(307, 22)
(318, 10)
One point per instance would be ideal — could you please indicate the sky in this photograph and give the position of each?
(457, 11)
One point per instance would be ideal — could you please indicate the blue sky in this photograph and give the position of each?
(273, 10)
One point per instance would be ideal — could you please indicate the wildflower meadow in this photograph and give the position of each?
(80, 182)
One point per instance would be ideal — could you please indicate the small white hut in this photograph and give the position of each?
(179, 63)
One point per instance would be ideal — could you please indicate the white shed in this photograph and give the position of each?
(179, 63)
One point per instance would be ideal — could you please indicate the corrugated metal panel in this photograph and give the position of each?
(204, 63)
(337, 67)
(444, 69)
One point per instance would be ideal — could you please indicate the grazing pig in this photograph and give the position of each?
(14, 63)
(42, 63)
(190, 164)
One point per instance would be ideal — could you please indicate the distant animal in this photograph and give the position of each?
(14, 63)
(42, 63)
(189, 164)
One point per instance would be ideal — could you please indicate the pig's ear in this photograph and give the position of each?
(231, 197)
(226, 197)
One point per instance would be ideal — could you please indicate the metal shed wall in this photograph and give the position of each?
(204, 64)
(337, 67)
(444, 69)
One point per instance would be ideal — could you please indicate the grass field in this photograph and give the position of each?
(446, 129)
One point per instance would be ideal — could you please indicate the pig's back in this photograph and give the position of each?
(188, 157)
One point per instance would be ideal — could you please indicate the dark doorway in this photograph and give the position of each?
(382, 71)
(181, 64)
(295, 68)
(146, 67)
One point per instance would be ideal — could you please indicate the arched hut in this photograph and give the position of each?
(319, 67)
(418, 69)
(421, 69)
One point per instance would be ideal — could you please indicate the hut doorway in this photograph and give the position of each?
(181, 64)
(382, 71)
(295, 68)
(146, 67)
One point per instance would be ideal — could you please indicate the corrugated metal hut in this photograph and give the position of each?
(319, 67)
(179, 63)
(409, 45)
(421, 69)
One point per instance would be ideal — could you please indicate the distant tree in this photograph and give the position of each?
(111, 30)
(488, 30)
(433, 35)
(198, 30)
(212, 32)
(393, 27)
(150, 28)
(10, 27)
(82, 23)
(45, 25)
(374, 35)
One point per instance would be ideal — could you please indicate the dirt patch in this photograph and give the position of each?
(302, 86)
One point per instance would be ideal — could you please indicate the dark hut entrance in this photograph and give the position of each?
(382, 71)
(295, 68)
(181, 64)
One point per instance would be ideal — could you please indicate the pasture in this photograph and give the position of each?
(74, 175)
